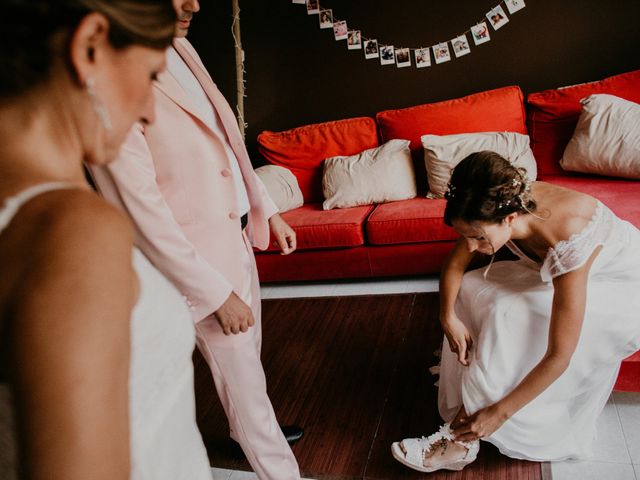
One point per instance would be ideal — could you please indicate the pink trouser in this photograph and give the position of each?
(240, 381)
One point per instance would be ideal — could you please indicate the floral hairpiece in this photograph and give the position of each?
(451, 191)
(516, 183)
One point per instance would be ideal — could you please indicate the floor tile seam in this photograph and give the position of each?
(608, 462)
(624, 435)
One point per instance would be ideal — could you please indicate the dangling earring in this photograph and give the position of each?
(96, 103)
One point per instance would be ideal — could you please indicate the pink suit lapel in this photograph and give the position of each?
(225, 113)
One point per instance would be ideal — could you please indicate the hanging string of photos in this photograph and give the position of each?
(401, 56)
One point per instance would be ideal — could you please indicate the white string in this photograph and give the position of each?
(241, 83)
(381, 44)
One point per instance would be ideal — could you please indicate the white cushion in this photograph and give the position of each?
(443, 152)
(607, 138)
(377, 175)
(281, 186)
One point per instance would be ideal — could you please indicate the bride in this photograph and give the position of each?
(532, 347)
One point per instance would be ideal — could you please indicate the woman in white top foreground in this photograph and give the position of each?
(532, 347)
(96, 379)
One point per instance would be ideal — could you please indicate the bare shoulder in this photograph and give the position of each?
(568, 211)
(77, 245)
(81, 216)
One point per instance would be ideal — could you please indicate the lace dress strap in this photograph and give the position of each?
(571, 254)
(15, 202)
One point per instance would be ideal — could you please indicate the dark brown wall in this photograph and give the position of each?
(298, 74)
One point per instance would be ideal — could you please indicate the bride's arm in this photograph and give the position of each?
(450, 280)
(567, 314)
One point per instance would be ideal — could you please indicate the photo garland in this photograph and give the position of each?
(401, 56)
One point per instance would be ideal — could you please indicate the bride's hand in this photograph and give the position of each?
(459, 338)
(480, 425)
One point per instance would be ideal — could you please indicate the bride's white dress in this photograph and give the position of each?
(508, 318)
(165, 442)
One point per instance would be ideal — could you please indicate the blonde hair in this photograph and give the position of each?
(27, 28)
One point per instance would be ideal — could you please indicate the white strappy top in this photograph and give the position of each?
(571, 254)
(165, 441)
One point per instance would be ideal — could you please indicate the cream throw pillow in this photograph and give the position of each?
(443, 152)
(281, 186)
(607, 138)
(377, 175)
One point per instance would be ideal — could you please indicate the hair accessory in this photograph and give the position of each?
(96, 103)
(451, 191)
(504, 204)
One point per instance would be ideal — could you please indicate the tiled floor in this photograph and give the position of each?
(617, 448)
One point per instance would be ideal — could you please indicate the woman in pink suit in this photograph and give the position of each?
(199, 209)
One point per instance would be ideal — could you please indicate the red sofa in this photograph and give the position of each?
(409, 237)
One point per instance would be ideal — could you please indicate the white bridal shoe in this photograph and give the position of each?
(417, 448)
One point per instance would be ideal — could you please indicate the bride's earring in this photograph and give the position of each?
(96, 103)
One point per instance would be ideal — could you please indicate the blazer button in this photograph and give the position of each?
(233, 215)
(225, 172)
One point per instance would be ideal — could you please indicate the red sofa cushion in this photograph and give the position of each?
(552, 115)
(496, 110)
(317, 228)
(302, 150)
(629, 376)
(620, 195)
(409, 221)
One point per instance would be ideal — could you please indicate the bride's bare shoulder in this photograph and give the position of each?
(567, 211)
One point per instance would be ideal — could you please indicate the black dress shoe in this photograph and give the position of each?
(292, 433)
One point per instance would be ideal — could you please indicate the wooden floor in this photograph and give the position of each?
(353, 371)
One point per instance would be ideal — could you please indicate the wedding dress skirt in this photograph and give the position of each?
(508, 318)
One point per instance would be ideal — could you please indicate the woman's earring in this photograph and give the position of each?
(96, 103)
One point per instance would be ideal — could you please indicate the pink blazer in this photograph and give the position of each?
(174, 180)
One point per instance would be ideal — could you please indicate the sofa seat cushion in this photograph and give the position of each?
(318, 228)
(302, 150)
(552, 115)
(409, 221)
(620, 195)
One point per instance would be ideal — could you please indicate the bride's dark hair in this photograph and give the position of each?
(487, 187)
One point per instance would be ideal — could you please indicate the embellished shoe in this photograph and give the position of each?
(415, 449)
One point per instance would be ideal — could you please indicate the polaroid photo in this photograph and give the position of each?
(354, 40)
(387, 56)
(300, 2)
(313, 7)
(497, 18)
(441, 52)
(403, 57)
(461, 45)
(423, 58)
(340, 31)
(480, 33)
(371, 49)
(326, 18)
(514, 5)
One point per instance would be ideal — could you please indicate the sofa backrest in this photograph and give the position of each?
(302, 150)
(552, 116)
(497, 110)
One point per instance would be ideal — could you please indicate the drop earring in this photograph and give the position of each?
(96, 103)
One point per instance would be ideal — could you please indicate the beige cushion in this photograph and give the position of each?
(282, 187)
(607, 138)
(443, 152)
(377, 175)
